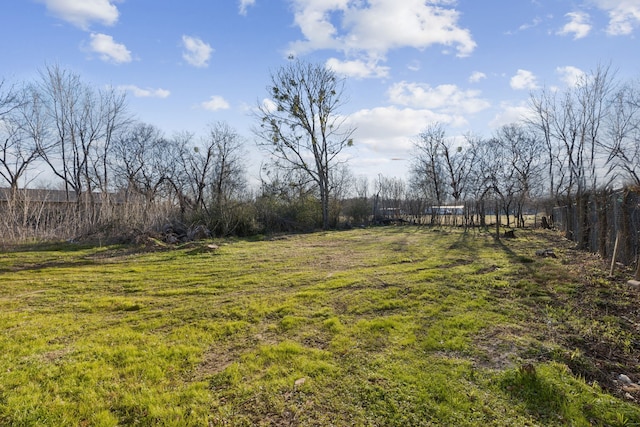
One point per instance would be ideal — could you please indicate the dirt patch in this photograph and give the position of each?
(217, 360)
(55, 356)
(499, 348)
(486, 270)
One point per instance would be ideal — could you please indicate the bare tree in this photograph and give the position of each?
(593, 93)
(198, 163)
(543, 106)
(486, 173)
(623, 137)
(341, 179)
(141, 162)
(578, 130)
(21, 127)
(228, 178)
(571, 126)
(9, 98)
(520, 174)
(457, 168)
(358, 207)
(216, 175)
(389, 198)
(441, 166)
(83, 123)
(428, 172)
(113, 119)
(64, 94)
(300, 126)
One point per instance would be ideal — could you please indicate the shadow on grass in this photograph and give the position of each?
(466, 241)
(542, 398)
(514, 257)
(550, 395)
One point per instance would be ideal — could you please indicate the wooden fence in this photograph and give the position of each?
(597, 220)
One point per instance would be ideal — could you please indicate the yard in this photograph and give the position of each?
(388, 326)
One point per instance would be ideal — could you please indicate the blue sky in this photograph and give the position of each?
(468, 64)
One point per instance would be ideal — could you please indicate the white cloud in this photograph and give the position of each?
(536, 21)
(476, 76)
(371, 29)
(414, 66)
(571, 76)
(108, 49)
(82, 13)
(268, 105)
(215, 103)
(578, 25)
(145, 93)
(391, 129)
(197, 52)
(624, 15)
(510, 114)
(244, 5)
(357, 69)
(447, 98)
(523, 80)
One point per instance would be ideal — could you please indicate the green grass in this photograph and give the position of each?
(378, 327)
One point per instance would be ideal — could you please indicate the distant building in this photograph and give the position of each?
(445, 210)
(53, 197)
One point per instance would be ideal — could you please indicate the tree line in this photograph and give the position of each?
(571, 144)
(113, 174)
(109, 172)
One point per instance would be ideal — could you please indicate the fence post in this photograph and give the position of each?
(497, 222)
(615, 253)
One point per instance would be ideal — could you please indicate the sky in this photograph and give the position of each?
(469, 65)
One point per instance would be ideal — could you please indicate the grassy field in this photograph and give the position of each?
(393, 326)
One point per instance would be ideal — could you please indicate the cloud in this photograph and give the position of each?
(392, 129)
(357, 68)
(571, 76)
(510, 114)
(215, 103)
(536, 21)
(108, 49)
(476, 76)
(268, 105)
(446, 98)
(244, 4)
(624, 15)
(523, 80)
(197, 52)
(145, 93)
(578, 25)
(371, 29)
(82, 13)
(414, 66)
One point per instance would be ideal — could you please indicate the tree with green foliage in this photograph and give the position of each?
(300, 126)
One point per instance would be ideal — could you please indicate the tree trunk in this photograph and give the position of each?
(324, 200)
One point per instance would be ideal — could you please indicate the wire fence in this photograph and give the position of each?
(595, 221)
